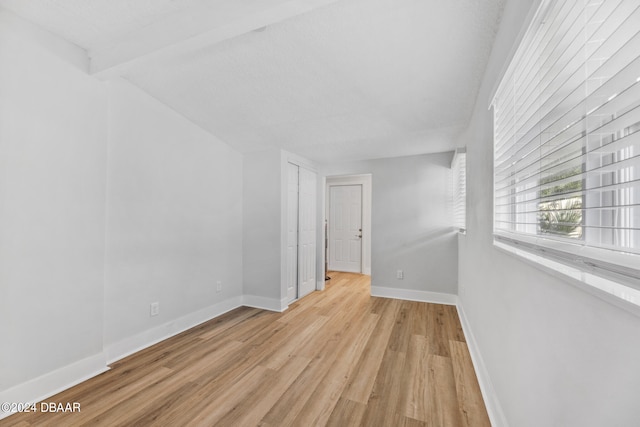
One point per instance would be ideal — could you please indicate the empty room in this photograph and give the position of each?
(320, 213)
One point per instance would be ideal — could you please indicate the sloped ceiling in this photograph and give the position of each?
(343, 80)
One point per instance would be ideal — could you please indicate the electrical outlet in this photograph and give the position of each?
(219, 286)
(154, 309)
(400, 274)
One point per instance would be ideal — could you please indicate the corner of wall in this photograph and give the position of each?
(68, 52)
(414, 295)
(264, 303)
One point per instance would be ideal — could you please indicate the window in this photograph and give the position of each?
(459, 170)
(567, 138)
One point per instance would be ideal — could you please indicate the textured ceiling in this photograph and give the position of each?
(355, 79)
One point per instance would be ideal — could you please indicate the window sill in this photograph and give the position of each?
(608, 290)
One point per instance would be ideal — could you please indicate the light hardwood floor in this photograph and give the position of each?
(336, 358)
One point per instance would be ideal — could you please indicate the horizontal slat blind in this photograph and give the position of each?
(567, 128)
(459, 171)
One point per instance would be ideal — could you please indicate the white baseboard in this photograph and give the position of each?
(414, 295)
(264, 303)
(135, 343)
(494, 409)
(47, 385)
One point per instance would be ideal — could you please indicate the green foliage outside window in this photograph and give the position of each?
(562, 216)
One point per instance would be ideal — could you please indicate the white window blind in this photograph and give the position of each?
(567, 136)
(459, 172)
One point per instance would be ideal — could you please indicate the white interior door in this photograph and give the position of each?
(292, 233)
(345, 228)
(307, 232)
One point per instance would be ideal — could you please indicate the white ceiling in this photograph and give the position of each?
(95, 23)
(339, 80)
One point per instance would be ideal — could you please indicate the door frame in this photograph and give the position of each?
(365, 181)
(304, 287)
(296, 217)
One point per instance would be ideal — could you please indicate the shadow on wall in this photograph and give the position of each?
(423, 240)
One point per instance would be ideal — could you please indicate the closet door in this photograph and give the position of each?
(292, 233)
(306, 232)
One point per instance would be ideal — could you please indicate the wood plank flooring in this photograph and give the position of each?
(335, 358)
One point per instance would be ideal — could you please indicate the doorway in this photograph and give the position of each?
(348, 215)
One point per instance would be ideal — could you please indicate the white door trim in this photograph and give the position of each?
(312, 190)
(293, 237)
(307, 238)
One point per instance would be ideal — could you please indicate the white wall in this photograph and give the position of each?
(174, 217)
(555, 355)
(411, 221)
(265, 193)
(52, 209)
(172, 226)
(262, 228)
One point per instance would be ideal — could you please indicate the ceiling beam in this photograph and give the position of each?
(198, 27)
